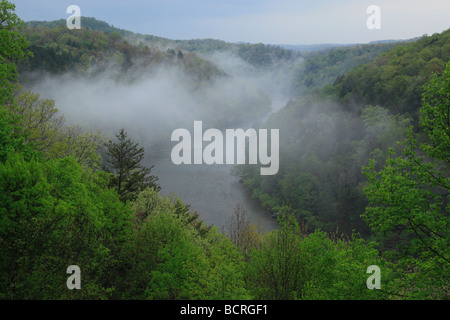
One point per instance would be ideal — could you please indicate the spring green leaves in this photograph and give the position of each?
(409, 195)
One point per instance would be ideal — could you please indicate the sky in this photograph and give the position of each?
(256, 21)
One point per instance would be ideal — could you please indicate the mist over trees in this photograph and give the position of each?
(364, 176)
(329, 134)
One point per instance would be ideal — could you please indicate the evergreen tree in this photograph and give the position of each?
(129, 177)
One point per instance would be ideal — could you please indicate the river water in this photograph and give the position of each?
(211, 190)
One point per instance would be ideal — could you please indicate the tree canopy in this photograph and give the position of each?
(59, 207)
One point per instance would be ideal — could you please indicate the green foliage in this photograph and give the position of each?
(226, 270)
(11, 137)
(179, 264)
(395, 79)
(329, 134)
(327, 66)
(87, 52)
(12, 49)
(55, 211)
(42, 125)
(294, 265)
(409, 195)
(53, 216)
(259, 55)
(129, 177)
(149, 202)
(323, 149)
(262, 55)
(273, 271)
(435, 116)
(87, 22)
(171, 256)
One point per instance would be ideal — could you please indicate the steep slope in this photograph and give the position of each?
(395, 78)
(56, 50)
(95, 56)
(259, 55)
(327, 136)
(325, 66)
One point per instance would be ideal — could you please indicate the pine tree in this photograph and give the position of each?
(129, 177)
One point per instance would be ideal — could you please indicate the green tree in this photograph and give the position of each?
(168, 255)
(12, 49)
(411, 195)
(53, 214)
(43, 126)
(226, 269)
(129, 177)
(291, 264)
(85, 147)
(150, 202)
(11, 137)
(335, 268)
(273, 270)
(40, 120)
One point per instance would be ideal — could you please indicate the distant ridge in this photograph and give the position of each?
(99, 25)
(260, 55)
(87, 22)
(324, 46)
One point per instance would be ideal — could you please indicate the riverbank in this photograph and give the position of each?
(211, 190)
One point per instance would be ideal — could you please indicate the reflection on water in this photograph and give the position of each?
(211, 190)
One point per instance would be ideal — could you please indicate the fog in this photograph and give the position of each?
(152, 103)
(276, 79)
(142, 107)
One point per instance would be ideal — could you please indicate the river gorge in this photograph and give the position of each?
(211, 190)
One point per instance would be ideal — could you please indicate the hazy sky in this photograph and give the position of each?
(267, 21)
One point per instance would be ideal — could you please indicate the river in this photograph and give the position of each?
(211, 190)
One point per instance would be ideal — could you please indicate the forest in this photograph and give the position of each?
(361, 115)
(364, 175)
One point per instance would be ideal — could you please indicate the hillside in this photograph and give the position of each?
(329, 134)
(259, 55)
(310, 68)
(82, 216)
(395, 79)
(384, 84)
(89, 54)
(323, 67)
(56, 50)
